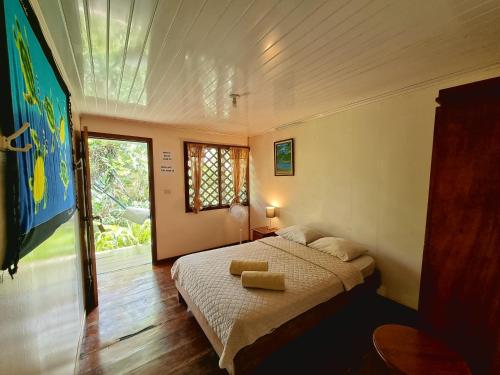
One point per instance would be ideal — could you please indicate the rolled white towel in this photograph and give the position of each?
(238, 266)
(263, 280)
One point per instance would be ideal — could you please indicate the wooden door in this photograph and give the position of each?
(89, 221)
(460, 288)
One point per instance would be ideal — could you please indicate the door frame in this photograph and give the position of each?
(88, 268)
(152, 207)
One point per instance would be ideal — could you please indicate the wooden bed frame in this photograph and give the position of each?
(248, 358)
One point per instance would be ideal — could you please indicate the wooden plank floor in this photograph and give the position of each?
(140, 328)
(120, 259)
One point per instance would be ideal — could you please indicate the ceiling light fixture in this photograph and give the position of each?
(234, 97)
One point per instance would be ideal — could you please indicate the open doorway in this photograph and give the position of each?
(120, 196)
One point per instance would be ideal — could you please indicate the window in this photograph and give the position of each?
(216, 188)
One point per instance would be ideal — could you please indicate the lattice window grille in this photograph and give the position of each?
(210, 187)
(209, 190)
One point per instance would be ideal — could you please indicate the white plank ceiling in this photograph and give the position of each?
(177, 61)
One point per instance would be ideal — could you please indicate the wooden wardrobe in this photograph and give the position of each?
(459, 292)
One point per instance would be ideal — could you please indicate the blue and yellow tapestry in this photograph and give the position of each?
(43, 183)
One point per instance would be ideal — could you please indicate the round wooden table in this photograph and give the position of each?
(407, 350)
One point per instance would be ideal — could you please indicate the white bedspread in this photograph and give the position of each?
(240, 316)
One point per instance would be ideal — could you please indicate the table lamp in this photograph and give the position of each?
(270, 213)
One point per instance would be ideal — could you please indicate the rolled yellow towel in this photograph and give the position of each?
(238, 266)
(263, 280)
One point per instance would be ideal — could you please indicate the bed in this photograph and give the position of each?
(246, 325)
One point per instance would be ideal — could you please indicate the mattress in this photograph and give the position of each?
(365, 264)
(239, 316)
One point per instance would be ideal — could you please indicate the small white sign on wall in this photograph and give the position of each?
(166, 155)
(167, 169)
(167, 165)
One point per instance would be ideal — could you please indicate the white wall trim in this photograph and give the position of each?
(383, 96)
(159, 125)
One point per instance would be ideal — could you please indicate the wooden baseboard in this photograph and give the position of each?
(173, 259)
(80, 341)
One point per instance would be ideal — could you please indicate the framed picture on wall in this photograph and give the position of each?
(284, 164)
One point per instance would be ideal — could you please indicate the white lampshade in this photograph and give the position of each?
(270, 213)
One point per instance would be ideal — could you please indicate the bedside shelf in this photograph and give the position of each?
(261, 232)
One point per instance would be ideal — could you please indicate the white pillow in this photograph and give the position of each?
(340, 247)
(299, 233)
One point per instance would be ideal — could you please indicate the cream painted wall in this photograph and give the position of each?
(362, 174)
(42, 307)
(178, 232)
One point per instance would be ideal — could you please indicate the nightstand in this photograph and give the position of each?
(261, 232)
